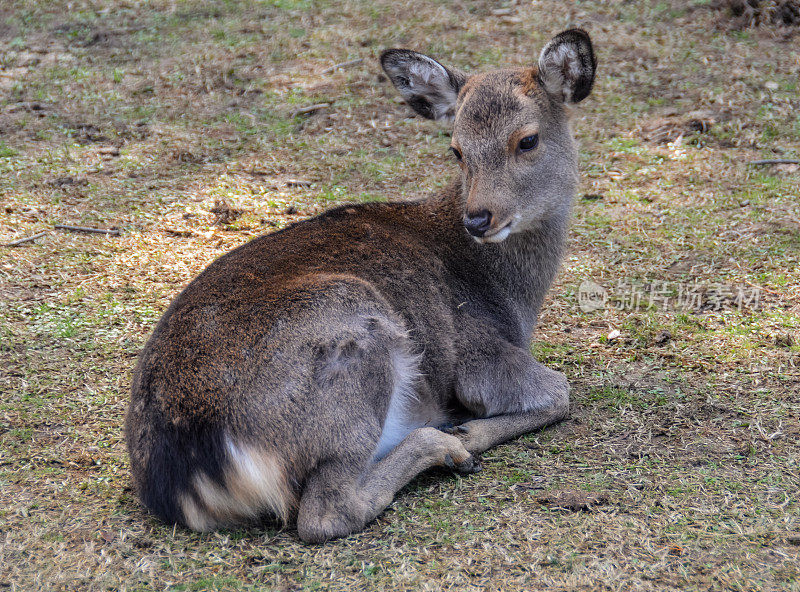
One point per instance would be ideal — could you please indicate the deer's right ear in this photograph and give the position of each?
(567, 66)
(427, 86)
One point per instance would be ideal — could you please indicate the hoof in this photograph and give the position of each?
(471, 465)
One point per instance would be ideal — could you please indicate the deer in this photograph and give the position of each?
(310, 374)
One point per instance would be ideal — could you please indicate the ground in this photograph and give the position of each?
(185, 126)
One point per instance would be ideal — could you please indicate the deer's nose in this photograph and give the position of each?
(477, 224)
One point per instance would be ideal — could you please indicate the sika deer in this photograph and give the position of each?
(306, 375)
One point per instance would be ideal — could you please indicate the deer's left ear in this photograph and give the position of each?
(428, 87)
(567, 65)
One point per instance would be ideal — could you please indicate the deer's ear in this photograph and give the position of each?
(567, 66)
(427, 86)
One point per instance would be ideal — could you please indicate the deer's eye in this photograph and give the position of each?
(528, 143)
(457, 153)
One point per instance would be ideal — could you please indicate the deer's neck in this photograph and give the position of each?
(519, 270)
(525, 265)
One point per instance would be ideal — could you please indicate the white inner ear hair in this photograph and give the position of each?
(559, 69)
(425, 71)
(430, 79)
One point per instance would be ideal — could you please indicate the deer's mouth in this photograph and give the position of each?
(496, 236)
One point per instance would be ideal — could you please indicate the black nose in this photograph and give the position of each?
(478, 224)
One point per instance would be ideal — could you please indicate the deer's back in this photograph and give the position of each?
(282, 295)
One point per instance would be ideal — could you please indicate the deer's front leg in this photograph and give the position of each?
(509, 393)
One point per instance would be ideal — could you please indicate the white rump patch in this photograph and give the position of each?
(255, 485)
(406, 412)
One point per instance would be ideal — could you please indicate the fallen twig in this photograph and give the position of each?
(774, 161)
(27, 239)
(182, 233)
(310, 109)
(112, 232)
(297, 183)
(342, 65)
(767, 290)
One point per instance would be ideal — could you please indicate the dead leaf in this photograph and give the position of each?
(676, 550)
(224, 212)
(662, 337)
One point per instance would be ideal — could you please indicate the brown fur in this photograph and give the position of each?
(304, 375)
(529, 81)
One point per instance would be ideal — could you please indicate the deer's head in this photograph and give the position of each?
(511, 133)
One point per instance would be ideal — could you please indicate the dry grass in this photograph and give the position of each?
(679, 468)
